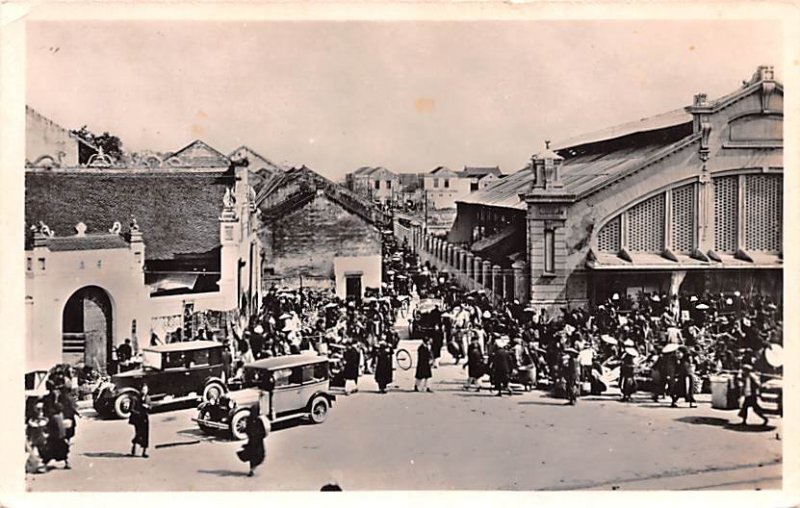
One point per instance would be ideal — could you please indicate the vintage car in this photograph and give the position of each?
(172, 372)
(422, 322)
(284, 387)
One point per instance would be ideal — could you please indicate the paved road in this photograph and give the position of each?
(446, 440)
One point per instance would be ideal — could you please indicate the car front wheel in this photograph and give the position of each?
(319, 409)
(213, 391)
(122, 405)
(239, 425)
(205, 415)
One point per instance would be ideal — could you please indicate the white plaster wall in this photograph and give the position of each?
(370, 266)
(118, 274)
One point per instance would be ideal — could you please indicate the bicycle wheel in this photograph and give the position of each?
(403, 358)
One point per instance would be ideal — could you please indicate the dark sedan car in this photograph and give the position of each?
(172, 372)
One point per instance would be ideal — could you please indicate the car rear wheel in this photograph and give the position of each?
(122, 405)
(213, 391)
(319, 409)
(239, 425)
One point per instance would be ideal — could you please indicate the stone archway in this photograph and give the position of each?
(87, 328)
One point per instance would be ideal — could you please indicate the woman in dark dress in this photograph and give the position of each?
(424, 362)
(501, 370)
(626, 377)
(140, 420)
(70, 411)
(437, 344)
(383, 367)
(57, 444)
(474, 365)
(352, 360)
(254, 451)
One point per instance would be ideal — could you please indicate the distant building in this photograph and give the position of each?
(442, 187)
(374, 183)
(49, 145)
(316, 233)
(481, 177)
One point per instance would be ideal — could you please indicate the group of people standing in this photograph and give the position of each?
(51, 423)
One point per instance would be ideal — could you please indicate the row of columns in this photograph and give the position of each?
(481, 271)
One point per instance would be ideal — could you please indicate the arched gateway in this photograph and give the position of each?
(87, 328)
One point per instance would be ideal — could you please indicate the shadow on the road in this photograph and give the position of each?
(223, 472)
(107, 455)
(173, 406)
(553, 402)
(197, 433)
(724, 423)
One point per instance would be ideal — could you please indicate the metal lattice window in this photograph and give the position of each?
(726, 190)
(683, 218)
(646, 226)
(764, 212)
(608, 237)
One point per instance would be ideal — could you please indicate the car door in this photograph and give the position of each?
(286, 396)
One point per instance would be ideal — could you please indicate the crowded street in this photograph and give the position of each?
(548, 429)
(445, 440)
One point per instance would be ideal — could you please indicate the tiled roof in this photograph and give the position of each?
(177, 212)
(444, 171)
(481, 172)
(256, 161)
(88, 242)
(372, 171)
(198, 153)
(297, 186)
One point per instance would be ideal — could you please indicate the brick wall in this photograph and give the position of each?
(306, 240)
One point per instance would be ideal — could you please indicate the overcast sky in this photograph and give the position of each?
(406, 95)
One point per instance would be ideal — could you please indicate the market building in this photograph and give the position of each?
(683, 202)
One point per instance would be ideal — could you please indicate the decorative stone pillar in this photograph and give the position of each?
(450, 252)
(477, 272)
(469, 271)
(462, 261)
(520, 281)
(487, 275)
(497, 283)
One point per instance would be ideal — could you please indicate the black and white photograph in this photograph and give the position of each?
(315, 255)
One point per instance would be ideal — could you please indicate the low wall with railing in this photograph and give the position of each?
(470, 271)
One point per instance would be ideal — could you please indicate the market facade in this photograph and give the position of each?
(687, 201)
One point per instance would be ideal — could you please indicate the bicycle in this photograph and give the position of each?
(403, 359)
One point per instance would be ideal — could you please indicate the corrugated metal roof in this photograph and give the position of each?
(668, 119)
(579, 174)
(504, 193)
